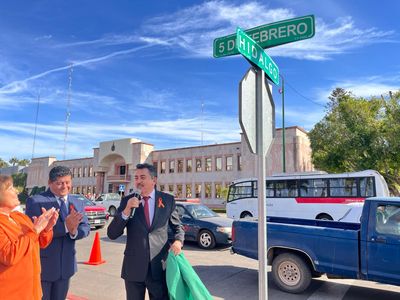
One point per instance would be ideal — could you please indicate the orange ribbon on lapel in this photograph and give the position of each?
(160, 203)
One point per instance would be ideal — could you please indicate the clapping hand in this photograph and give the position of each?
(53, 219)
(72, 220)
(47, 217)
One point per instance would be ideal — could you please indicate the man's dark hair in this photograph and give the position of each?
(59, 171)
(151, 168)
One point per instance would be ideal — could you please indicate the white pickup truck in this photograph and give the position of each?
(110, 201)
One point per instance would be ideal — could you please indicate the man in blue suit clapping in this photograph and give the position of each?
(58, 259)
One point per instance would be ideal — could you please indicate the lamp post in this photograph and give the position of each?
(283, 125)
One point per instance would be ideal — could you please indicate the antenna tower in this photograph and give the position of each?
(202, 111)
(68, 113)
(36, 121)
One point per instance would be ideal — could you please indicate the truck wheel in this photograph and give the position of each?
(290, 273)
(112, 210)
(325, 217)
(206, 239)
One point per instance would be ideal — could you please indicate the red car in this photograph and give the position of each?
(97, 214)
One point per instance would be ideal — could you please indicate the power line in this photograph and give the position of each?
(301, 95)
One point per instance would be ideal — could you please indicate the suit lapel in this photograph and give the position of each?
(157, 209)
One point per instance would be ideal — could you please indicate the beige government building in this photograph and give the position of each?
(190, 172)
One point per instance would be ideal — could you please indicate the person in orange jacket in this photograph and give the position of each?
(20, 239)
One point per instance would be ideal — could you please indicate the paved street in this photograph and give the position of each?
(226, 276)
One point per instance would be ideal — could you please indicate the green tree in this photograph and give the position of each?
(19, 180)
(3, 164)
(358, 134)
(24, 162)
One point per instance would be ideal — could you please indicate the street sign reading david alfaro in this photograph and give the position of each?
(269, 35)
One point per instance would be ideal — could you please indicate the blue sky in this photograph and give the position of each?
(147, 71)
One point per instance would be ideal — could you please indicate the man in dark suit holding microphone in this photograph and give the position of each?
(147, 216)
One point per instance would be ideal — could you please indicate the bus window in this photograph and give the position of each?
(343, 187)
(240, 190)
(367, 187)
(313, 187)
(270, 189)
(286, 188)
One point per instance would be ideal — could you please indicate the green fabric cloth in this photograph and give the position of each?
(182, 281)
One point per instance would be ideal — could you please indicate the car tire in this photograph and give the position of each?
(291, 273)
(112, 210)
(206, 239)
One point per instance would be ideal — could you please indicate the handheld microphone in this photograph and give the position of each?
(137, 195)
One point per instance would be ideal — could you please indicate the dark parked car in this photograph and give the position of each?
(97, 214)
(203, 225)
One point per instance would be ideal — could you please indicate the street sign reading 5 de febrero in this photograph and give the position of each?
(269, 35)
(253, 52)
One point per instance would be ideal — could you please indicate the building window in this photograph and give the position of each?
(239, 162)
(229, 163)
(218, 164)
(110, 187)
(189, 165)
(162, 187)
(73, 173)
(180, 165)
(188, 191)
(91, 171)
(84, 174)
(179, 191)
(122, 170)
(171, 188)
(172, 166)
(197, 190)
(162, 167)
(84, 190)
(78, 189)
(155, 165)
(207, 190)
(218, 190)
(79, 172)
(208, 164)
(198, 164)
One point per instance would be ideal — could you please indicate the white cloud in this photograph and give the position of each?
(195, 28)
(365, 87)
(82, 137)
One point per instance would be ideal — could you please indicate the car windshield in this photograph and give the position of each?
(200, 211)
(113, 196)
(85, 200)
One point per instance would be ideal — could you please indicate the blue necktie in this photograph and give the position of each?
(63, 209)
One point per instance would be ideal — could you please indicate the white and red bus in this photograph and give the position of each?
(312, 195)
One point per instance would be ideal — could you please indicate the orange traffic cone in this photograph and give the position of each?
(95, 255)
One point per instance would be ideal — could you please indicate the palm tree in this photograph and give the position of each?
(13, 161)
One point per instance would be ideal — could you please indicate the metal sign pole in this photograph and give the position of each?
(262, 232)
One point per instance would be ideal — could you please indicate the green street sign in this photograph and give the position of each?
(253, 52)
(269, 35)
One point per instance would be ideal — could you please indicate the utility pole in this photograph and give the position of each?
(68, 113)
(283, 126)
